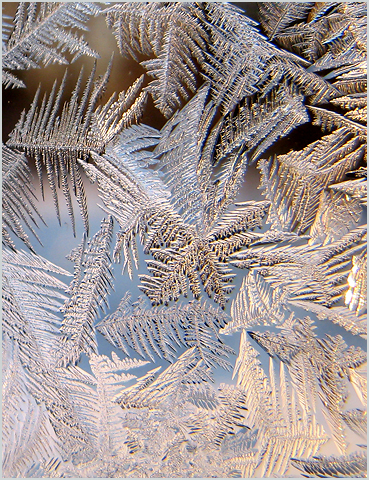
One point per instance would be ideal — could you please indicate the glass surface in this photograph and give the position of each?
(100, 383)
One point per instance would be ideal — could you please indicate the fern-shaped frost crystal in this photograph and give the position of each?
(89, 290)
(40, 36)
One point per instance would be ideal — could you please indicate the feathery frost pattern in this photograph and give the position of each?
(158, 331)
(37, 28)
(231, 177)
(56, 142)
(88, 292)
(18, 203)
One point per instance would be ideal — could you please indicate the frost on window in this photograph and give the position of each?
(184, 247)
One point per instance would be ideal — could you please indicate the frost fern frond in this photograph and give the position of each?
(37, 28)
